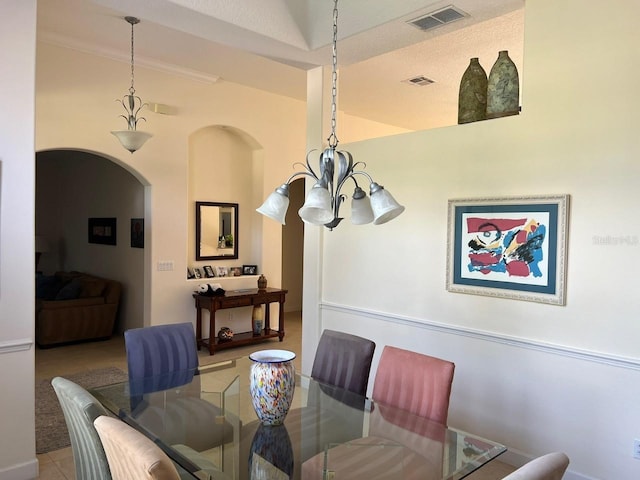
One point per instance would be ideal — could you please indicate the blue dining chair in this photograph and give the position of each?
(161, 356)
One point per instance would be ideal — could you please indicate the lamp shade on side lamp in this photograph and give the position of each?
(384, 206)
(132, 140)
(361, 212)
(276, 204)
(317, 206)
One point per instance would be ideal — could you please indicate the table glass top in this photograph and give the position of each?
(206, 423)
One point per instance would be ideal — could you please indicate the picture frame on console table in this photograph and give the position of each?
(249, 270)
(509, 247)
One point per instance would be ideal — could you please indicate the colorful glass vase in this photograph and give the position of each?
(271, 384)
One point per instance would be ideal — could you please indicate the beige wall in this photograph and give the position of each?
(17, 179)
(535, 377)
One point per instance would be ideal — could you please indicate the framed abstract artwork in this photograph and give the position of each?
(511, 247)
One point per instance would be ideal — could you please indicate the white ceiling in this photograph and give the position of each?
(269, 44)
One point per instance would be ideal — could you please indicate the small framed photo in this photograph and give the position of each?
(249, 270)
(137, 232)
(190, 273)
(208, 271)
(221, 271)
(197, 273)
(235, 271)
(102, 231)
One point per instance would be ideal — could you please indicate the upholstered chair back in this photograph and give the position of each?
(418, 383)
(161, 356)
(131, 455)
(343, 360)
(547, 467)
(80, 409)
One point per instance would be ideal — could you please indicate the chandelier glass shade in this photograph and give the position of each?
(336, 168)
(131, 138)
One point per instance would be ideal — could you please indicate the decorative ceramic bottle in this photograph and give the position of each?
(262, 282)
(503, 88)
(472, 98)
(257, 320)
(272, 383)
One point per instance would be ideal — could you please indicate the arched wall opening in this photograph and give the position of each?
(73, 186)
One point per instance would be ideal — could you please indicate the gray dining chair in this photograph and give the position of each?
(343, 360)
(547, 467)
(80, 409)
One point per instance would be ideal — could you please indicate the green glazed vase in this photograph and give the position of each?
(472, 98)
(503, 88)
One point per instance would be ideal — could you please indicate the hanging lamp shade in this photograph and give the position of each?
(361, 212)
(384, 206)
(317, 206)
(276, 204)
(132, 140)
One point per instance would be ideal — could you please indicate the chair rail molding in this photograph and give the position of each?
(581, 354)
(17, 345)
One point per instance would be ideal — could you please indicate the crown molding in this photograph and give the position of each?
(140, 61)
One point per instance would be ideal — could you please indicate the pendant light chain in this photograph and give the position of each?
(132, 21)
(333, 139)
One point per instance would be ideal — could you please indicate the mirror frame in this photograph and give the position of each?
(199, 231)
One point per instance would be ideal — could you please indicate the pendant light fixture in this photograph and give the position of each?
(131, 138)
(322, 205)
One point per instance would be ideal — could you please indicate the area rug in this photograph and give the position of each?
(51, 429)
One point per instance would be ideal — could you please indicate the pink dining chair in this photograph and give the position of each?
(414, 382)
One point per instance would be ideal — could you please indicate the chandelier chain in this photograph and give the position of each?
(333, 138)
(132, 89)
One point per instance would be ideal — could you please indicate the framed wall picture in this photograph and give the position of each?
(249, 270)
(102, 231)
(208, 271)
(509, 247)
(137, 232)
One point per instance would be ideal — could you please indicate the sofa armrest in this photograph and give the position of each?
(74, 303)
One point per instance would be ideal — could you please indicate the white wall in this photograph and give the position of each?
(73, 186)
(17, 420)
(535, 377)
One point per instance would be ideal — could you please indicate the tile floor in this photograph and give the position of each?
(58, 465)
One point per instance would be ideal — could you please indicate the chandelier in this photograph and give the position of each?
(131, 138)
(322, 205)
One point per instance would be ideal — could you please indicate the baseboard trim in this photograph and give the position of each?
(21, 471)
(585, 355)
(16, 345)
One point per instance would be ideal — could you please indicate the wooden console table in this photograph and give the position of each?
(238, 298)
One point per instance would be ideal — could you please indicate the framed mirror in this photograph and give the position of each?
(216, 231)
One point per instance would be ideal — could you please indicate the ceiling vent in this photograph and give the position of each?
(436, 19)
(420, 80)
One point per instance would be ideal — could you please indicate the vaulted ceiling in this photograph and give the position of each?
(269, 44)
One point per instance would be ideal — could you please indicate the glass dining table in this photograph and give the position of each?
(205, 422)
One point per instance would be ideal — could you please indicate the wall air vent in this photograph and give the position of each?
(440, 17)
(420, 80)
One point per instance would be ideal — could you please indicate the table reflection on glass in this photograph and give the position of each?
(205, 422)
